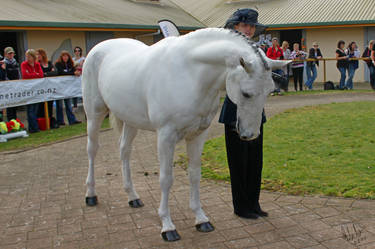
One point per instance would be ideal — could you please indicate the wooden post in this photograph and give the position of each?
(324, 71)
(46, 115)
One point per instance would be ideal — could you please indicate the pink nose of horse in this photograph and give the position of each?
(248, 137)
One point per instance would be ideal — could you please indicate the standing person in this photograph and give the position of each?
(275, 53)
(48, 71)
(342, 63)
(373, 60)
(78, 60)
(297, 66)
(12, 72)
(352, 52)
(311, 72)
(65, 66)
(286, 55)
(245, 158)
(2, 78)
(370, 62)
(31, 69)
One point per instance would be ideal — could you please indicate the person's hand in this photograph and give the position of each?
(319, 57)
(77, 73)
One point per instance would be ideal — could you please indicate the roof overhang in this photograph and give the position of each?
(319, 25)
(73, 26)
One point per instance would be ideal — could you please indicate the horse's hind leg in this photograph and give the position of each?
(93, 125)
(127, 137)
(194, 149)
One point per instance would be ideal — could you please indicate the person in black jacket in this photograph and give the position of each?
(245, 158)
(48, 71)
(342, 63)
(311, 72)
(12, 71)
(370, 62)
(65, 66)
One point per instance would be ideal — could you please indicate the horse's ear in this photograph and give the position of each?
(246, 65)
(277, 64)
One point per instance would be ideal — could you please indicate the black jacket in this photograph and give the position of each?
(64, 69)
(228, 113)
(367, 53)
(12, 70)
(312, 56)
(2, 74)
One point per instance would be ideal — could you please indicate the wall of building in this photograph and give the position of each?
(141, 36)
(327, 39)
(51, 41)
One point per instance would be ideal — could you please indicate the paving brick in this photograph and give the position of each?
(282, 222)
(338, 244)
(266, 237)
(328, 234)
(326, 212)
(302, 240)
(259, 227)
(241, 243)
(277, 245)
(235, 233)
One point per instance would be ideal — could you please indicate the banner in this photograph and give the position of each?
(168, 28)
(24, 92)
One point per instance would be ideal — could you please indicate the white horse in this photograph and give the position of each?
(172, 87)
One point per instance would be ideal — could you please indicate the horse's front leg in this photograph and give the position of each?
(166, 144)
(194, 147)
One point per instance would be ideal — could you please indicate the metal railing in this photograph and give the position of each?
(333, 59)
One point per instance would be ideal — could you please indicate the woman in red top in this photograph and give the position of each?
(275, 53)
(31, 69)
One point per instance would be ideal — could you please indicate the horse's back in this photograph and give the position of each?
(100, 55)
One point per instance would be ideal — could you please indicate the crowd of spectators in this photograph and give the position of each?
(345, 56)
(37, 65)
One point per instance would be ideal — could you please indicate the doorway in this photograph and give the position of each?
(291, 36)
(95, 37)
(9, 39)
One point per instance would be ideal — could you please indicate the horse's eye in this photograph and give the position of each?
(246, 95)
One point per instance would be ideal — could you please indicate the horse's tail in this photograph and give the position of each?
(116, 123)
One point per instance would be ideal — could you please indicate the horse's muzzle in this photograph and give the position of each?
(248, 137)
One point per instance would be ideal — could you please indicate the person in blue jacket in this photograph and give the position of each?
(245, 158)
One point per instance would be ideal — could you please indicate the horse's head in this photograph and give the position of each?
(249, 81)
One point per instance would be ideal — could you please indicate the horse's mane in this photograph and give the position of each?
(217, 34)
(220, 33)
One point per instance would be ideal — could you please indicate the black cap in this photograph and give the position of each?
(248, 16)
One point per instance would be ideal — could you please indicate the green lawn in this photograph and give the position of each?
(324, 150)
(292, 92)
(45, 137)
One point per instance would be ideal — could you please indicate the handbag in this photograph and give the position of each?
(281, 81)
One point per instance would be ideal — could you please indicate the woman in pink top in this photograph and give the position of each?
(31, 69)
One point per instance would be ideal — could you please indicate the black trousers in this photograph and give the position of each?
(245, 160)
(298, 76)
(11, 113)
(41, 109)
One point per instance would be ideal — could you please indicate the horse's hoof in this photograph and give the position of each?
(92, 201)
(137, 203)
(205, 227)
(170, 236)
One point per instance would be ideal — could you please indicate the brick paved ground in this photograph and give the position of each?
(42, 202)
